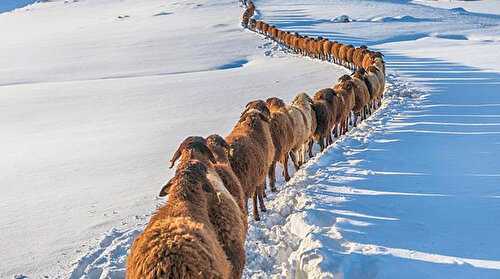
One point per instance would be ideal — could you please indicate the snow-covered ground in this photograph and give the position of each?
(95, 95)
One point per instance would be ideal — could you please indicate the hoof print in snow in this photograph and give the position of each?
(162, 14)
(123, 16)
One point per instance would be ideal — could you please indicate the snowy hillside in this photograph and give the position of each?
(95, 96)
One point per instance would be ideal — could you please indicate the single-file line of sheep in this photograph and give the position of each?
(200, 232)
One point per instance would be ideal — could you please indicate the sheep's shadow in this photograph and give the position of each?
(421, 186)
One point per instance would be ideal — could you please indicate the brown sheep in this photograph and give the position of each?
(265, 28)
(373, 83)
(343, 54)
(282, 134)
(361, 95)
(245, 18)
(350, 56)
(224, 212)
(253, 23)
(325, 120)
(305, 125)
(327, 48)
(259, 26)
(311, 48)
(372, 70)
(180, 241)
(346, 90)
(250, 4)
(253, 152)
(335, 51)
(222, 151)
(335, 104)
(358, 56)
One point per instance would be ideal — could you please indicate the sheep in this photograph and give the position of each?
(358, 55)
(350, 56)
(374, 71)
(325, 119)
(373, 83)
(180, 241)
(253, 24)
(222, 151)
(346, 90)
(305, 125)
(259, 25)
(327, 48)
(282, 133)
(361, 95)
(369, 57)
(224, 212)
(343, 55)
(253, 152)
(265, 28)
(335, 104)
(245, 18)
(335, 51)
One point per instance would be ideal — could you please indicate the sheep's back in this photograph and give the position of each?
(177, 247)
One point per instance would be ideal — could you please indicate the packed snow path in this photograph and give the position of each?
(412, 193)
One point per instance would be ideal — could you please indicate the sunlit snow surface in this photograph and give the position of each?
(96, 95)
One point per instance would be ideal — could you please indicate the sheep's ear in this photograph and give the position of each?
(164, 189)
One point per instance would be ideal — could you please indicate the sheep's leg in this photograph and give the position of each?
(310, 143)
(261, 199)
(329, 138)
(284, 161)
(256, 216)
(272, 177)
(336, 130)
(293, 155)
(304, 153)
(321, 144)
(355, 119)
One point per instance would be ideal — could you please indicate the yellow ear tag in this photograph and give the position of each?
(218, 196)
(231, 152)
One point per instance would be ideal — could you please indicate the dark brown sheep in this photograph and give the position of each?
(335, 104)
(221, 151)
(324, 124)
(282, 134)
(224, 212)
(253, 152)
(180, 241)
(361, 95)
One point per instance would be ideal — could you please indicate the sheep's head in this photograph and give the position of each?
(192, 177)
(193, 148)
(220, 148)
(250, 4)
(372, 69)
(359, 74)
(258, 105)
(363, 47)
(346, 85)
(252, 116)
(324, 94)
(275, 103)
(301, 99)
(344, 78)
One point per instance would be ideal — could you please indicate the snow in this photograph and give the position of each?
(96, 95)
